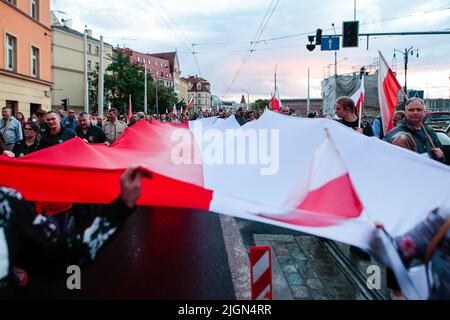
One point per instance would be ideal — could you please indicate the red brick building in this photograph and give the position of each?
(299, 106)
(157, 67)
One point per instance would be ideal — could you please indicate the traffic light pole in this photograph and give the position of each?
(377, 34)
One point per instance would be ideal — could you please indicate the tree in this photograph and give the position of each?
(261, 104)
(123, 78)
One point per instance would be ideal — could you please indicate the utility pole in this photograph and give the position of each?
(406, 60)
(335, 53)
(274, 92)
(101, 76)
(86, 81)
(145, 88)
(308, 103)
(156, 94)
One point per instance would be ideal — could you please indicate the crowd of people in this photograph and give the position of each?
(20, 137)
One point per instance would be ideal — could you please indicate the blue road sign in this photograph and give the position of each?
(415, 94)
(330, 43)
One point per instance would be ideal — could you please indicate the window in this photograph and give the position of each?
(160, 64)
(97, 66)
(156, 63)
(89, 48)
(34, 8)
(199, 86)
(97, 50)
(11, 53)
(143, 60)
(12, 2)
(138, 59)
(34, 62)
(89, 66)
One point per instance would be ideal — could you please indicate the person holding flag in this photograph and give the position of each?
(424, 136)
(346, 111)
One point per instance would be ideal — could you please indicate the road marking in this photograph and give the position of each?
(238, 259)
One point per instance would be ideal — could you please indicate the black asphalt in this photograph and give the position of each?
(162, 253)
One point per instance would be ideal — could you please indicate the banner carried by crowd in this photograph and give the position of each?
(311, 175)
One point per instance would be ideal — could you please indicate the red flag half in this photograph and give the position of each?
(388, 88)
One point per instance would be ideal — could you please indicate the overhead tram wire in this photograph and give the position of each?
(194, 53)
(275, 38)
(257, 36)
(168, 25)
(363, 23)
(186, 44)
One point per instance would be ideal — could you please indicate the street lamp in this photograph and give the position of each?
(406, 59)
(248, 98)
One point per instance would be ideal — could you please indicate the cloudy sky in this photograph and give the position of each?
(223, 30)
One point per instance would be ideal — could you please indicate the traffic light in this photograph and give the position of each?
(350, 34)
(65, 104)
(319, 37)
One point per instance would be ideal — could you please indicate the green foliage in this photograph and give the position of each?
(123, 78)
(260, 104)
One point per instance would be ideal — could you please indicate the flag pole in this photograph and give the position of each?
(360, 115)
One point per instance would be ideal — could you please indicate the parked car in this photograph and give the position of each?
(438, 120)
(445, 141)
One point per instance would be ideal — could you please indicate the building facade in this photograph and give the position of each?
(174, 67)
(68, 66)
(183, 95)
(200, 90)
(25, 55)
(157, 67)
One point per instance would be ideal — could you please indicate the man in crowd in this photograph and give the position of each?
(70, 121)
(413, 124)
(99, 121)
(240, 117)
(10, 128)
(113, 127)
(285, 110)
(89, 132)
(133, 120)
(378, 124)
(56, 133)
(346, 111)
(41, 114)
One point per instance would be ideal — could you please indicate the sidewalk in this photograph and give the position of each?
(310, 268)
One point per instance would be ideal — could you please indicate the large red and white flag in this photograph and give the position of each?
(324, 186)
(388, 88)
(358, 96)
(275, 103)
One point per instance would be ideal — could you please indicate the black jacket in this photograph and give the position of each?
(21, 149)
(367, 128)
(50, 140)
(32, 241)
(94, 134)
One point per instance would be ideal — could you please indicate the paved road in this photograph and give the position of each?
(162, 253)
